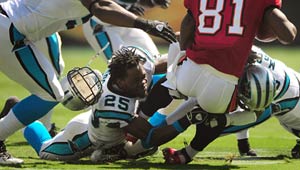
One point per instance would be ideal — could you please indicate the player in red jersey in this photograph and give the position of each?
(217, 36)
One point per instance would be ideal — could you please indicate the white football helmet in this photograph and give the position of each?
(256, 89)
(82, 88)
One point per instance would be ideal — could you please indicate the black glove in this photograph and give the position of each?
(156, 28)
(136, 9)
(162, 3)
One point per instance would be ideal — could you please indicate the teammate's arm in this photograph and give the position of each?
(284, 30)
(153, 3)
(187, 31)
(161, 64)
(141, 129)
(112, 13)
(138, 127)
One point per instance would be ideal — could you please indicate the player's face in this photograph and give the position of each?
(136, 82)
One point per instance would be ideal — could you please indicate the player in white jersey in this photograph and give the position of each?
(103, 35)
(284, 106)
(102, 127)
(23, 23)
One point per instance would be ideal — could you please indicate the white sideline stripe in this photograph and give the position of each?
(257, 162)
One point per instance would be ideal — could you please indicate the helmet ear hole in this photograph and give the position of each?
(256, 88)
(82, 88)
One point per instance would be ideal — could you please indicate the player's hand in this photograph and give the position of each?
(253, 57)
(162, 3)
(136, 9)
(156, 28)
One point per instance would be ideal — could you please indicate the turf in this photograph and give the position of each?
(270, 140)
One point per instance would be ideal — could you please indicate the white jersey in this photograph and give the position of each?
(286, 106)
(286, 78)
(37, 19)
(286, 100)
(99, 127)
(287, 109)
(112, 112)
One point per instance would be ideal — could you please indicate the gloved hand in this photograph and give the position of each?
(162, 3)
(156, 28)
(136, 9)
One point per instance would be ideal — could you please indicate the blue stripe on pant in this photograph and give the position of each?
(54, 52)
(29, 62)
(102, 39)
(79, 143)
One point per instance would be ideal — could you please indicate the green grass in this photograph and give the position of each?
(270, 140)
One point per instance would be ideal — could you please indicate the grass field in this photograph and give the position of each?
(270, 140)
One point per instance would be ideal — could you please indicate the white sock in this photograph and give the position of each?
(133, 149)
(239, 118)
(244, 134)
(190, 151)
(9, 124)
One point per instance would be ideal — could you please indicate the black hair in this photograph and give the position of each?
(122, 60)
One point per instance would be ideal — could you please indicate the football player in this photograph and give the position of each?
(102, 35)
(23, 23)
(102, 127)
(216, 50)
(284, 104)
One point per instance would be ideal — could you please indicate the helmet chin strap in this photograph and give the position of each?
(97, 54)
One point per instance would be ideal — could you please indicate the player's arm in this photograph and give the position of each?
(142, 129)
(161, 64)
(284, 30)
(112, 13)
(138, 127)
(153, 3)
(187, 31)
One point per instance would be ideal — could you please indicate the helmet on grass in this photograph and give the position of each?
(82, 88)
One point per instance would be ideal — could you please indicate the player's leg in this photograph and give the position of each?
(5, 157)
(243, 143)
(51, 47)
(101, 38)
(29, 67)
(9, 103)
(68, 145)
(47, 121)
(214, 91)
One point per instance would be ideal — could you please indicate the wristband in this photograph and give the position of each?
(91, 5)
(141, 23)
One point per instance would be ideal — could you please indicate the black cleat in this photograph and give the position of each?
(296, 150)
(244, 148)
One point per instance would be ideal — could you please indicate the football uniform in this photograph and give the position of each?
(286, 102)
(285, 105)
(25, 50)
(100, 127)
(109, 38)
(224, 32)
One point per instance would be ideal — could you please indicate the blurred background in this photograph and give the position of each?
(174, 14)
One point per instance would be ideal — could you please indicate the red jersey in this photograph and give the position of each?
(225, 30)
